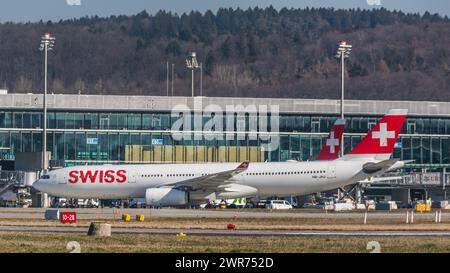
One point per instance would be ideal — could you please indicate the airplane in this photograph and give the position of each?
(329, 151)
(187, 184)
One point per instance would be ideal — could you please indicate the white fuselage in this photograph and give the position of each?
(267, 179)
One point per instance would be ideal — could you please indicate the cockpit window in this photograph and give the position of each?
(45, 176)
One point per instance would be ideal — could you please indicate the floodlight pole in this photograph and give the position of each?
(201, 79)
(47, 42)
(192, 80)
(343, 53)
(191, 63)
(167, 80)
(173, 69)
(44, 131)
(342, 90)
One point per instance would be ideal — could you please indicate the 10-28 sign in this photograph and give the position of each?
(68, 217)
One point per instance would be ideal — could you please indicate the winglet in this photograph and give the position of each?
(244, 165)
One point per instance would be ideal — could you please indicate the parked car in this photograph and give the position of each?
(250, 205)
(278, 204)
(112, 203)
(260, 204)
(138, 203)
(313, 206)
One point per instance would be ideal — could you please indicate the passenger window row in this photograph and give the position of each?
(288, 173)
(254, 174)
(171, 175)
(152, 175)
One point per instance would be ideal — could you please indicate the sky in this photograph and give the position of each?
(35, 10)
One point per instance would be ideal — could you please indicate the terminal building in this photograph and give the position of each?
(97, 129)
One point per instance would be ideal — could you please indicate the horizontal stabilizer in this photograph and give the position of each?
(375, 167)
(408, 161)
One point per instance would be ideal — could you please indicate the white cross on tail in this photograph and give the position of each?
(383, 135)
(332, 142)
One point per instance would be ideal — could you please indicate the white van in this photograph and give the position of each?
(278, 204)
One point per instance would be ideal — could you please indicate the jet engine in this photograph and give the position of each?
(166, 196)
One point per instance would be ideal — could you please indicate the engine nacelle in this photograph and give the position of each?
(166, 197)
(237, 191)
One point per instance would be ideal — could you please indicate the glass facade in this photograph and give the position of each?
(101, 137)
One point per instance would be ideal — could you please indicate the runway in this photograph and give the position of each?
(216, 232)
(109, 213)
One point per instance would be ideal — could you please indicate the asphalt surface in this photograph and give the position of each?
(109, 213)
(215, 232)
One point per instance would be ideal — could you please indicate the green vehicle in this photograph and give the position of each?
(236, 203)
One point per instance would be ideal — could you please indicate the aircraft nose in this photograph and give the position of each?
(38, 185)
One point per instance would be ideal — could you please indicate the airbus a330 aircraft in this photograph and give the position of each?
(181, 184)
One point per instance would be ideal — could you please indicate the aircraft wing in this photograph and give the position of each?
(211, 181)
